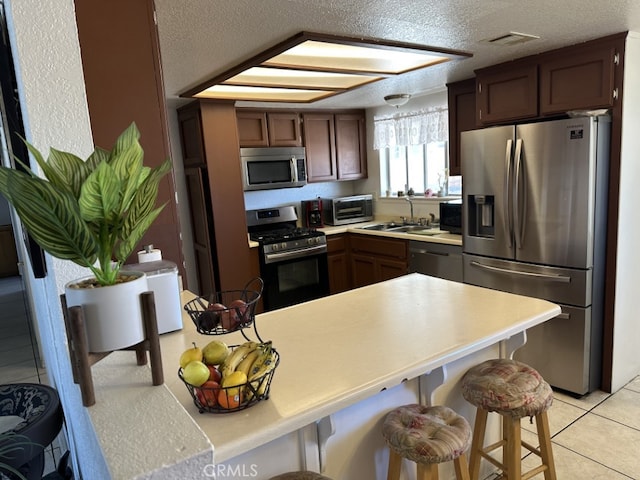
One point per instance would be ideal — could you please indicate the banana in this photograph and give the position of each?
(265, 350)
(258, 374)
(248, 361)
(235, 357)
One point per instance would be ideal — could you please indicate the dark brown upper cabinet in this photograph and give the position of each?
(351, 148)
(583, 78)
(335, 146)
(268, 129)
(462, 117)
(319, 141)
(506, 93)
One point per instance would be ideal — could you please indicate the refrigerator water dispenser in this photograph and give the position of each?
(481, 215)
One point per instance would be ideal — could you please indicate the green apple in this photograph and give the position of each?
(215, 352)
(195, 373)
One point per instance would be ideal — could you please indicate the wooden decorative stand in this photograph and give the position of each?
(82, 359)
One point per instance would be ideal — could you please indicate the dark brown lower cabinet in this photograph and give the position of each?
(338, 258)
(377, 259)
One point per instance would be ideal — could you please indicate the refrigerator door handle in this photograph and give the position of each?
(507, 221)
(563, 316)
(519, 197)
(543, 276)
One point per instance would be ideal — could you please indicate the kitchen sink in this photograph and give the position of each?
(382, 226)
(409, 228)
(400, 228)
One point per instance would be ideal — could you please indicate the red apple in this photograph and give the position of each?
(214, 374)
(240, 310)
(207, 393)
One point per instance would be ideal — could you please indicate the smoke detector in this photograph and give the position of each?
(512, 38)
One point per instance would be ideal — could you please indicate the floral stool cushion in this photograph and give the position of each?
(507, 387)
(426, 434)
(300, 476)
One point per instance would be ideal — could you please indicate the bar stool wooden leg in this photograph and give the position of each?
(427, 471)
(544, 437)
(477, 442)
(395, 464)
(514, 455)
(462, 467)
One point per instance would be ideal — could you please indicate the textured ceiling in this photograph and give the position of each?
(202, 38)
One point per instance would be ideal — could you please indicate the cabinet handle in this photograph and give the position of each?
(615, 93)
(616, 58)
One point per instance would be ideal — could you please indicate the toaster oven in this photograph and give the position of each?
(345, 210)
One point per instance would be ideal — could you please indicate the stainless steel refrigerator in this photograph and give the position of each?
(534, 223)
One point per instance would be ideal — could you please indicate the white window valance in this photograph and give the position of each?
(411, 128)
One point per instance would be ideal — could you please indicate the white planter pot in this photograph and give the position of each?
(113, 314)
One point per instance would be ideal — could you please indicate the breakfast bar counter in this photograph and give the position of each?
(345, 360)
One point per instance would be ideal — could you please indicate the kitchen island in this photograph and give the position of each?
(345, 360)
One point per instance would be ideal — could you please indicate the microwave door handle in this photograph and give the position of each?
(294, 170)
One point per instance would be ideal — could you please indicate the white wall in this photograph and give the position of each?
(626, 333)
(52, 95)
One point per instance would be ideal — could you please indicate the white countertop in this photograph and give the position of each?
(335, 351)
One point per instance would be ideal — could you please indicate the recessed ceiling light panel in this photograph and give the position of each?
(277, 77)
(312, 66)
(336, 57)
(263, 94)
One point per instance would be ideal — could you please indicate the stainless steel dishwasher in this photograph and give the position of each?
(436, 259)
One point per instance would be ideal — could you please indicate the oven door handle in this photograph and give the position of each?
(303, 252)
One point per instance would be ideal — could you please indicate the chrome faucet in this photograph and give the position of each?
(408, 199)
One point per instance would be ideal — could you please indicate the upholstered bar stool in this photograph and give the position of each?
(427, 436)
(514, 390)
(300, 476)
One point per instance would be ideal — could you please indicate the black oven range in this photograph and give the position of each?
(293, 260)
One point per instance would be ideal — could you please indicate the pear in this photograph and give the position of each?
(190, 354)
(215, 352)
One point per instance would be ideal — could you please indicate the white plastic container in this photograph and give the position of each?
(162, 280)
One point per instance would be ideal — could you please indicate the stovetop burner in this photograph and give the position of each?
(284, 234)
(279, 225)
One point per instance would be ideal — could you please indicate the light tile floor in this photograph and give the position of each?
(594, 437)
(19, 360)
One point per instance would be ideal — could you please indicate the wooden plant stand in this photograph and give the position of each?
(82, 359)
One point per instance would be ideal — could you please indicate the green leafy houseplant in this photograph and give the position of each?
(12, 445)
(91, 212)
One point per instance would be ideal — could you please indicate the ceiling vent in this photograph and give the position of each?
(512, 38)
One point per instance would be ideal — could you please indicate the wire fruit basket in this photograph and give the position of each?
(213, 398)
(226, 311)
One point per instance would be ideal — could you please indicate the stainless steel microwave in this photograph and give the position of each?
(345, 210)
(273, 167)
